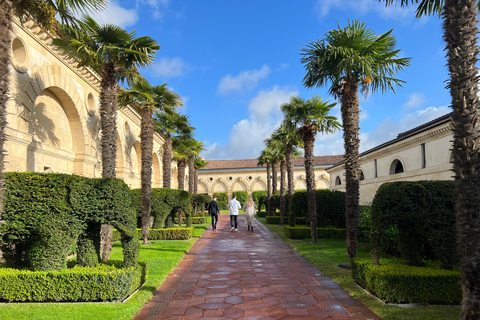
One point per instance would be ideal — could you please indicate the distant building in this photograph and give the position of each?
(422, 153)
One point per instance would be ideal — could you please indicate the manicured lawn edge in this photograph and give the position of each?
(327, 257)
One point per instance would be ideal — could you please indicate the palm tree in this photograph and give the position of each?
(265, 159)
(170, 125)
(182, 149)
(199, 164)
(116, 55)
(460, 27)
(310, 116)
(279, 151)
(196, 148)
(349, 58)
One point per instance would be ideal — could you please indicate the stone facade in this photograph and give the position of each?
(422, 153)
(245, 175)
(53, 118)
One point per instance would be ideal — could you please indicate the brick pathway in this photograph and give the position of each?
(249, 275)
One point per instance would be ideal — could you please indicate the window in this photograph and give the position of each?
(338, 181)
(424, 157)
(361, 176)
(396, 167)
(375, 164)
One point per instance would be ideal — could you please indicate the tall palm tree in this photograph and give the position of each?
(170, 125)
(196, 148)
(182, 148)
(279, 151)
(199, 164)
(116, 55)
(460, 25)
(350, 58)
(310, 116)
(265, 159)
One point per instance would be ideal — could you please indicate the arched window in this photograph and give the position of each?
(396, 167)
(338, 181)
(361, 176)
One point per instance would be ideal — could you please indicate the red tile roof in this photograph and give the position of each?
(252, 163)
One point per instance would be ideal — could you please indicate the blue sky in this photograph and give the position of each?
(235, 63)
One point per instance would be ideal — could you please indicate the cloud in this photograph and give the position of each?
(323, 8)
(116, 14)
(283, 67)
(415, 100)
(169, 68)
(159, 7)
(246, 136)
(246, 80)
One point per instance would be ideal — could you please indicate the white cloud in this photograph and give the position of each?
(159, 7)
(415, 100)
(246, 136)
(283, 67)
(169, 68)
(116, 14)
(246, 80)
(323, 8)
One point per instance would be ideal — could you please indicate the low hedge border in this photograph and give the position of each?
(196, 220)
(276, 220)
(399, 283)
(106, 282)
(162, 234)
(304, 232)
(261, 214)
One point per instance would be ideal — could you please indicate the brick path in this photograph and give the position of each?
(249, 275)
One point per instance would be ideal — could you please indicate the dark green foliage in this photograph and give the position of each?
(165, 202)
(222, 199)
(106, 282)
(162, 234)
(261, 213)
(199, 220)
(274, 205)
(263, 203)
(304, 233)
(45, 215)
(199, 201)
(242, 196)
(364, 222)
(256, 197)
(330, 207)
(276, 220)
(399, 283)
(419, 218)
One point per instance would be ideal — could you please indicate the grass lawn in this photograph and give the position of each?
(327, 257)
(163, 256)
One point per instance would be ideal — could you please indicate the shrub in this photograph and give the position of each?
(330, 207)
(274, 204)
(256, 197)
(261, 213)
(304, 232)
(199, 201)
(197, 220)
(222, 199)
(106, 282)
(418, 217)
(242, 196)
(399, 283)
(364, 222)
(162, 234)
(263, 203)
(276, 220)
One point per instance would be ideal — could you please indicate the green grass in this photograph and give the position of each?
(163, 255)
(328, 256)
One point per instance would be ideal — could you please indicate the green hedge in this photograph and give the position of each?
(399, 283)
(199, 201)
(261, 214)
(106, 282)
(162, 234)
(415, 220)
(242, 196)
(304, 232)
(197, 220)
(256, 197)
(276, 220)
(330, 207)
(222, 199)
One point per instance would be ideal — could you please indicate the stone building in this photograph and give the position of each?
(422, 153)
(245, 175)
(53, 118)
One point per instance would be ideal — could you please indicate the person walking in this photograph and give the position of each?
(213, 210)
(234, 206)
(249, 208)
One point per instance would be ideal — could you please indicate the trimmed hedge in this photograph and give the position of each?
(261, 214)
(276, 220)
(242, 196)
(162, 234)
(256, 197)
(263, 203)
(304, 232)
(415, 220)
(399, 283)
(222, 199)
(197, 220)
(330, 207)
(199, 202)
(106, 282)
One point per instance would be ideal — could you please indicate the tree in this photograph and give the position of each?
(278, 150)
(349, 58)
(310, 117)
(170, 125)
(193, 153)
(460, 25)
(182, 149)
(116, 55)
(199, 164)
(265, 159)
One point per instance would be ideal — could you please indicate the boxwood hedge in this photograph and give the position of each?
(276, 220)
(304, 232)
(222, 199)
(162, 234)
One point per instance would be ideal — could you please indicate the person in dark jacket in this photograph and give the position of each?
(213, 210)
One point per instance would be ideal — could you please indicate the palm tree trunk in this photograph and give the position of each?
(182, 164)
(146, 136)
(351, 118)
(167, 162)
(290, 177)
(108, 118)
(309, 142)
(461, 29)
(195, 186)
(269, 190)
(274, 178)
(6, 20)
(283, 169)
(191, 175)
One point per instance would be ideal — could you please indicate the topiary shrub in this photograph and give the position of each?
(222, 199)
(162, 234)
(199, 201)
(242, 196)
(263, 203)
(364, 222)
(256, 197)
(304, 232)
(421, 216)
(399, 283)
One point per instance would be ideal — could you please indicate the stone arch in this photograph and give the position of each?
(202, 188)
(239, 185)
(300, 183)
(259, 184)
(120, 161)
(156, 174)
(397, 166)
(338, 181)
(219, 186)
(136, 157)
(322, 183)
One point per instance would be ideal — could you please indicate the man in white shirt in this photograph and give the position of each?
(234, 206)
